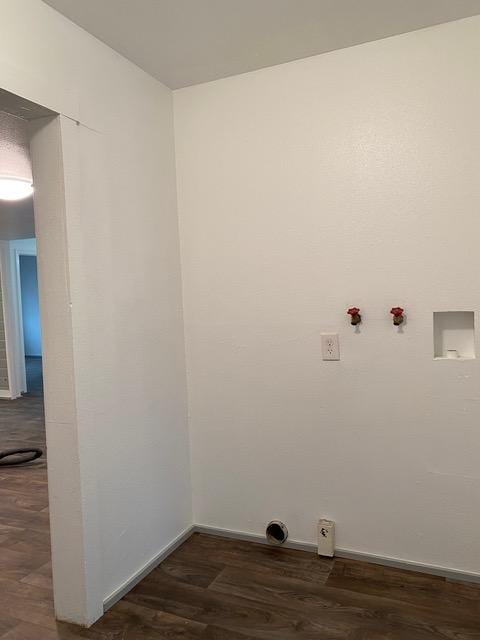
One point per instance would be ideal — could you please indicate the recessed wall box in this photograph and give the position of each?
(453, 335)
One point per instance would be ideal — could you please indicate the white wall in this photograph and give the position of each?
(124, 295)
(350, 178)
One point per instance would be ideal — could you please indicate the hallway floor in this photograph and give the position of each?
(213, 588)
(34, 374)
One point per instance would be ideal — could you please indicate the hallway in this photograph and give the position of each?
(33, 368)
(25, 583)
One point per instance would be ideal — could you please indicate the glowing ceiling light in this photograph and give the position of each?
(15, 188)
(15, 167)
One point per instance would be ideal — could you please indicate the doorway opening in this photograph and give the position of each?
(30, 314)
(42, 497)
(25, 556)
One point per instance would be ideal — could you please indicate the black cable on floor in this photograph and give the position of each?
(19, 456)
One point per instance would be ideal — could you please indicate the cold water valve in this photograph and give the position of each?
(398, 317)
(355, 317)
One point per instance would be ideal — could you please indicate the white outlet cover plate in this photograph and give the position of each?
(330, 346)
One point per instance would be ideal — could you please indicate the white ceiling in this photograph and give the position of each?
(184, 42)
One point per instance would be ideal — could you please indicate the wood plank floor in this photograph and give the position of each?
(213, 588)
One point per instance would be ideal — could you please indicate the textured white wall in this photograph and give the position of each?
(123, 280)
(350, 178)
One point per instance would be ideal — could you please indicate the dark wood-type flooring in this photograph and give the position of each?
(213, 588)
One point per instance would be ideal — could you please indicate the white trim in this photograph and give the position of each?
(4, 393)
(420, 567)
(76, 563)
(253, 537)
(10, 252)
(398, 563)
(128, 585)
(8, 318)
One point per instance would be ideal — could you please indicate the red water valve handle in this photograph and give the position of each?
(397, 313)
(354, 313)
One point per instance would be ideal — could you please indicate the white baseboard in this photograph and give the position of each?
(252, 537)
(5, 394)
(398, 563)
(146, 569)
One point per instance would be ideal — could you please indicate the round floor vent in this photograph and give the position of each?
(276, 532)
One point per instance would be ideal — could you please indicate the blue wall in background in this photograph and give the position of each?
(30, 308)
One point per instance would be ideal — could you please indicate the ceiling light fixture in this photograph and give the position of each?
(15, 166)
(15, 188)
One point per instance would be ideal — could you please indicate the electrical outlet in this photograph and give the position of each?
(326, 538)
(330, 346)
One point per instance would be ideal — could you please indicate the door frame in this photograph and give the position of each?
(56, 148)
(13, 312)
